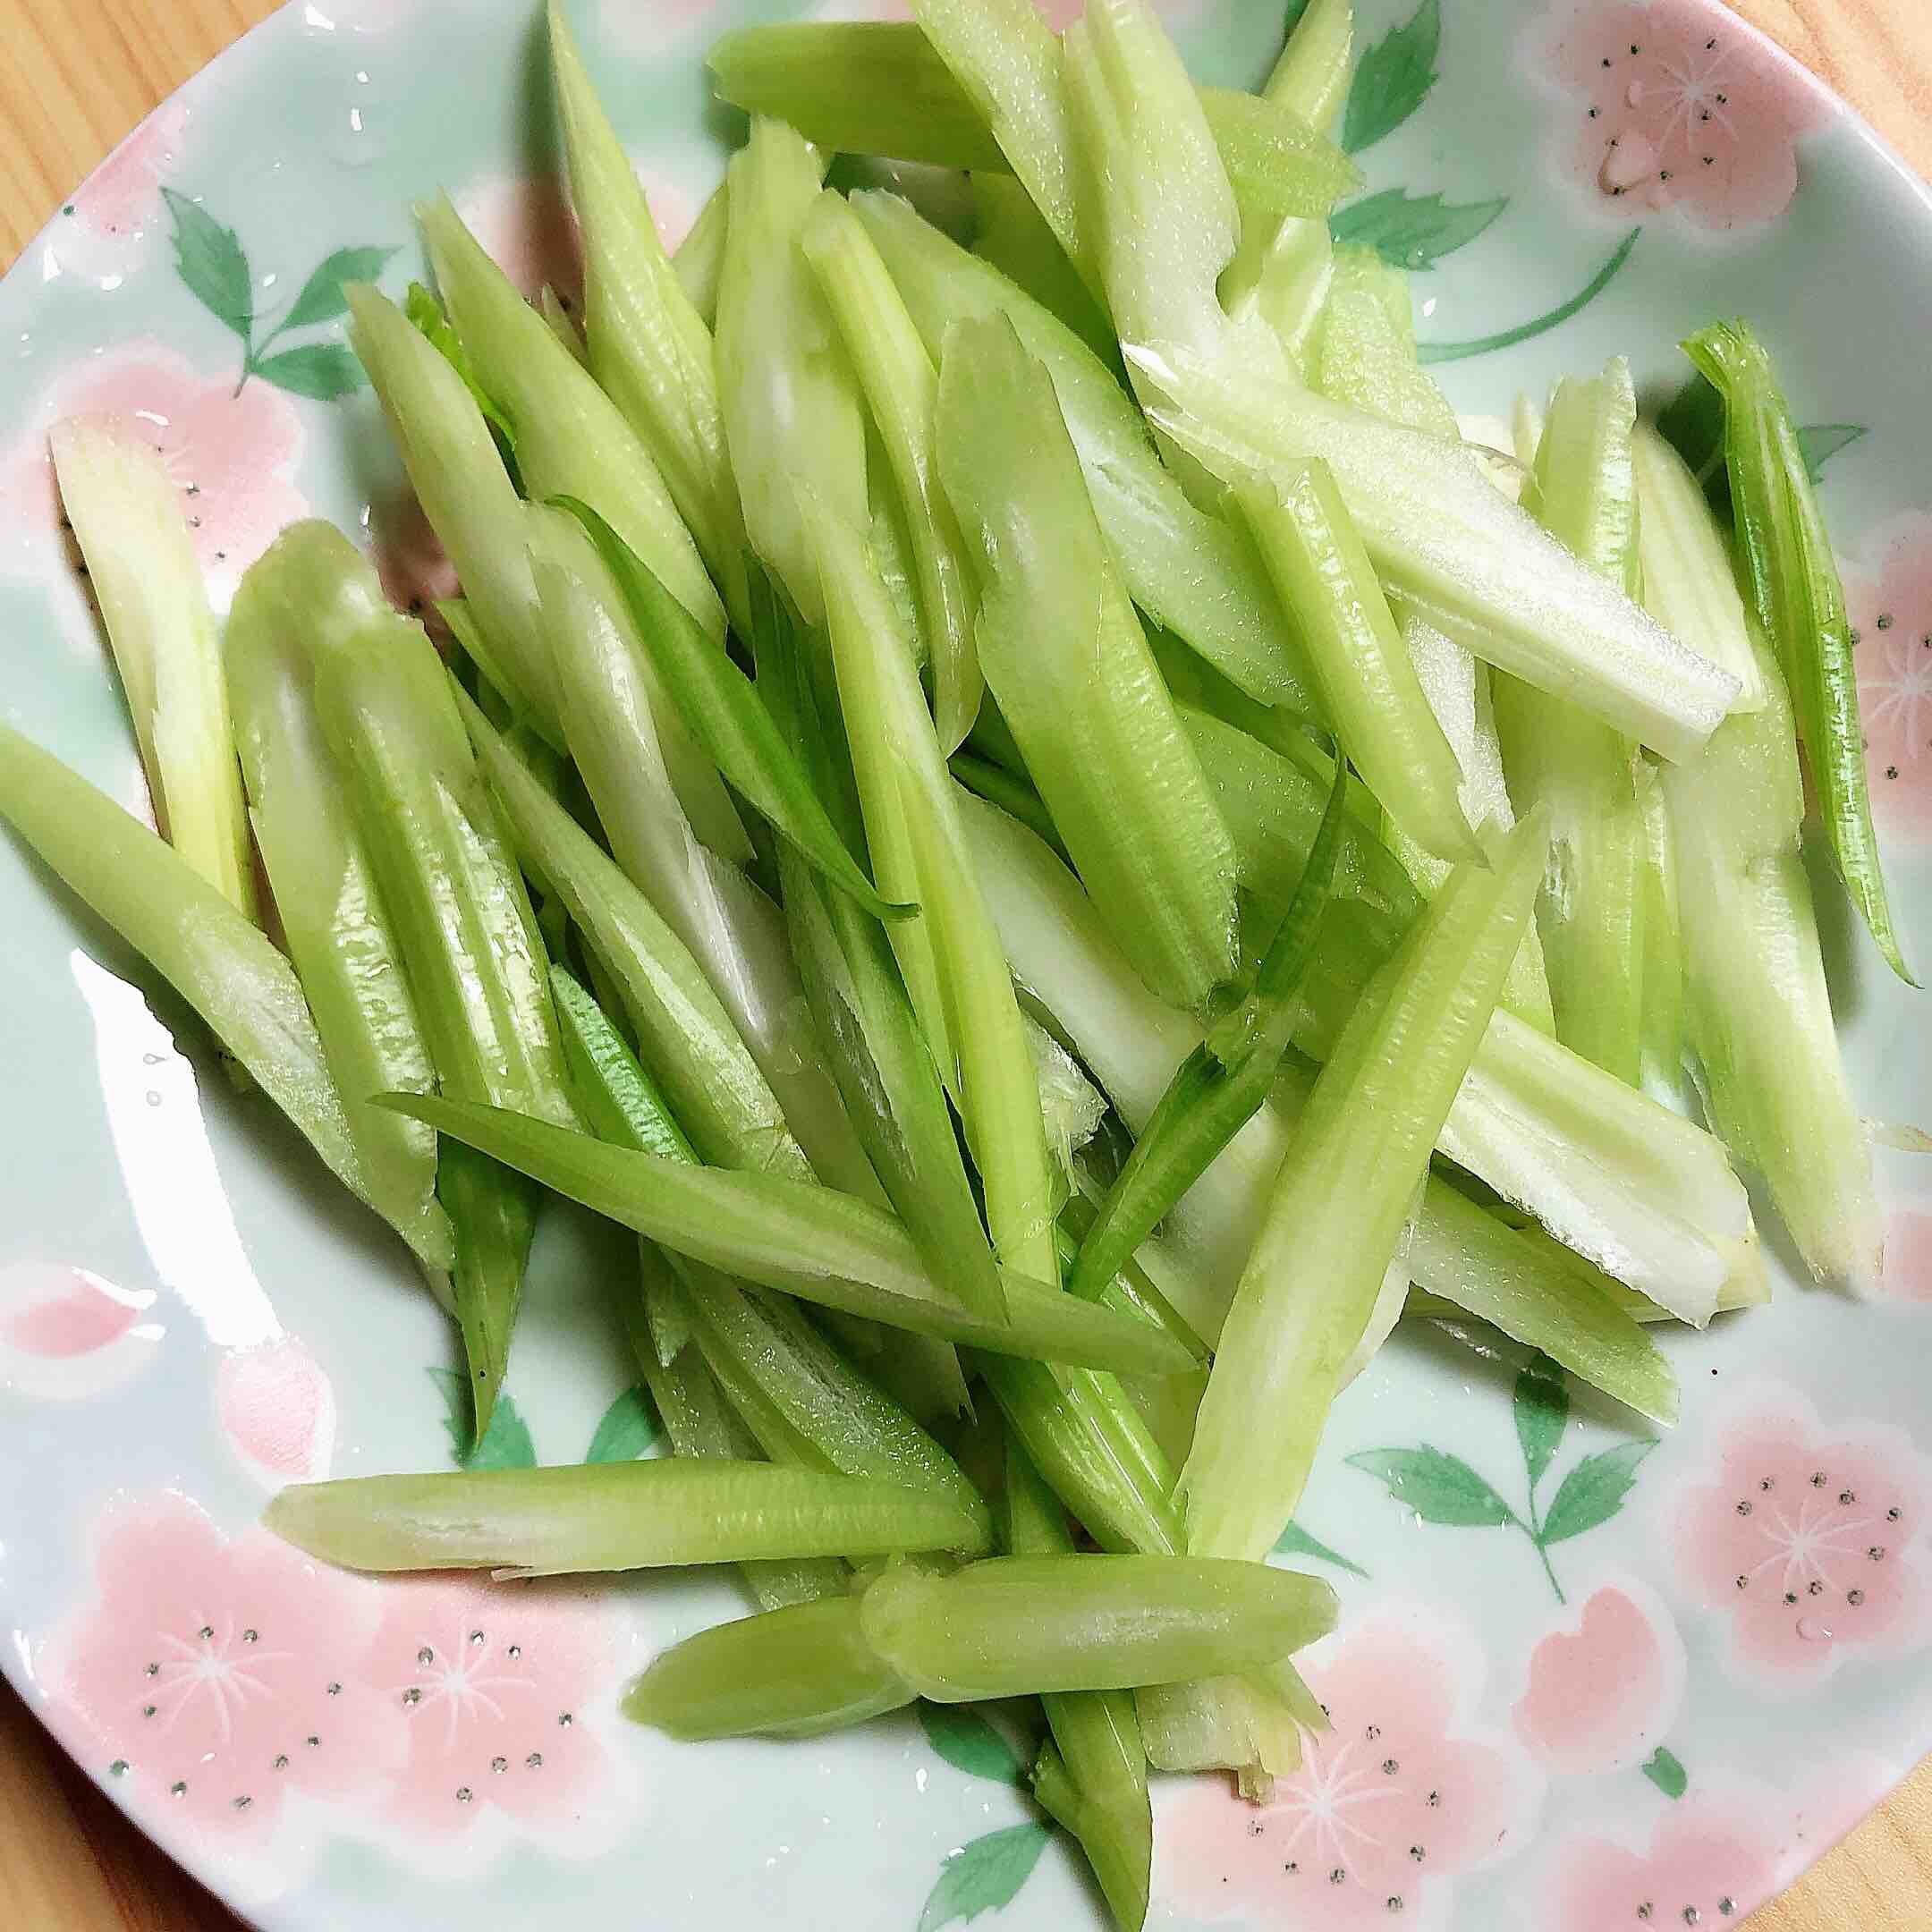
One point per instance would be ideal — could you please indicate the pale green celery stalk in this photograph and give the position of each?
(1369, 684)
(650, 347)
(1013, 237)
(1338, 1207)
(1013, 794)
(125, 510)
(1365, 348)
(792, 1674)
(1665, 1037)
(1799, 598)
(1187, 570)
(1757, 1007)
(902, 388)
(217, 960)
(1282, 272)
(944, 195)
(1461, 555)
(312, 584)
(698, 261)
(1014, 1626)
(824, 1247)
(1066, 656)
(955, 973)
(793, 421)
(469, 941)
(563, 324)
(1311, 77)
(684, 1035)
(597, 1517)
(420, 305)
(570, 438)
(1072, 1107)
(1278, 164)
(466, 493)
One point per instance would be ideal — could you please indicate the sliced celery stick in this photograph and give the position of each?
(1338, 1206)
(1068, 661)
(1665, 1037)
(561, 323)
(422, 308)
(725, 711)
(1462, 557)
(125, 510)
(1311, 77)
(1072, 1107)
(1013, 236)
(218, 961)
(570, 438)
(1282, 272)
(1016, 1625)
(998, 786)
(650, 347)
(793, 417)
(955, 973)
(1798, 599)
(613, 1516)
(1365, 347)
(465, 493)
(902, 388)
(1590, 913)
(1369, 684)
(699, 259)
(1187, 570)
(309, 584)
(796, 1672)
(1217, 1724)
(824, 1247)
(1277, 162)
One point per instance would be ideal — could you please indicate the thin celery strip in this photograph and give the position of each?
(1278, 163)
(1066, 656)
(1013, 1626)
(1590, 913)
(1365, 348)
(699, 259)
(599, 1517)
(1012, 235)
(790, 1673)
(806, 1241)
(901, 389)
(1665, 1034)
(793, 421)
(1369, 683)
(955, 973)
(1187, 570)
(126, 514)
(727, 716)
(561, 323)
(420, 305)
(650, 345)
(1311, 77)
(1013, 795)
(311, 583)
(1344, 1192)
(1461, 555)
(1799, 600)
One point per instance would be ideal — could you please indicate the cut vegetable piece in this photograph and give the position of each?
(1067, 660)
(1462, 557)
(1664, 1038)
(427, 314)
(1365, 350)
(650, 347)
(1282, 272)
(790, 1673)
(1218, 1723)
(1799, 603)
(699, 259)
(125, 512)
(1278, 164)
(1338, 1209)
(1311, 77)
(1369, 684)
(310, 586)
(1013, 796)
(1011, 235)
(901, 387)
(810, 1242)
(1017, 1625)
(606, 1516)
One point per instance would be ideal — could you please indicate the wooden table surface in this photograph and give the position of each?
(75, 76)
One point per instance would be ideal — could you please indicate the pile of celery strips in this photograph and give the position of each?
(1006, 790)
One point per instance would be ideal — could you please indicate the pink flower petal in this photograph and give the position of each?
(66, 1333)
(1889, 592)
(1908, 1268)
(278, 1408)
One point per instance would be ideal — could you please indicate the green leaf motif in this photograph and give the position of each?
(1414, 232)
(1818, 442)
(983, 1875)
(1460, 352)
(1295, 1541)
(213, 264)
(1542, 1405)
(1440, 1489)
(969, 1743)
(629, 1428)
(1393, 80)
(322, 371)
(322, 299)
(506, 1445)
(1593, 1492)
(1668, 1774)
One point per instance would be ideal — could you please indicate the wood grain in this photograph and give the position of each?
(77, 75)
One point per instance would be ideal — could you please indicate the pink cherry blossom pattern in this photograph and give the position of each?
(1058, 14)
(105, 229)
(277, 1408)
(234, 456)
(1675, 104)
(1908, 1264)
(1388, 1809)
(1806, 1539)
(1605, 1685)
(65, 1333)
(1889, 595)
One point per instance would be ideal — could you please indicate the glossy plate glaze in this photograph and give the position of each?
(1582, 1681)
